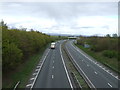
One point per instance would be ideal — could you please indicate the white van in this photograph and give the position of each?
(52, 45)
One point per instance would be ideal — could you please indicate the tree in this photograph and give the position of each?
(108, 35)
(3, 25)
(114, 35)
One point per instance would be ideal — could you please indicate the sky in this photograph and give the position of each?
(75, 18)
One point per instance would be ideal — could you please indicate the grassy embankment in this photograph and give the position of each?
(109, 62)
(23, 72)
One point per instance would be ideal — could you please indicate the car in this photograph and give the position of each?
(52, 45)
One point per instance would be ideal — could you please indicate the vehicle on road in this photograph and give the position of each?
(52, 45)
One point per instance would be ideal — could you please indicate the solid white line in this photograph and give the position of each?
(52, 76)
(81, 70)
(40, 69)
(66, 69)
(96, 73)
(16, 85)
(109, 84)
(75, 47)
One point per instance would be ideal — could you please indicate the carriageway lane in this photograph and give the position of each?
(98, 77)
(53, 74)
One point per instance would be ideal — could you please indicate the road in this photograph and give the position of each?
(53, 73)
(97, 75)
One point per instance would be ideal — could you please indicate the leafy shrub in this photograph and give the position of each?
(18, 45)
(109, 53)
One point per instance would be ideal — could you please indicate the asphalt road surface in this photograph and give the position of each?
(97, 74)
(53, 73)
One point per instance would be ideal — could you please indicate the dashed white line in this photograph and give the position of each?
(28, 85)
(107, 70)
(75, 47)
(32, 78)
(65, 69)
(82, 71)
(34, 73)
(87, 65)
(109, 84)
(38, 66)
(53, 67)
(116, 77)
(96, 73)
(95, 62)
(37, 70)
(53, 61)
(52, 76)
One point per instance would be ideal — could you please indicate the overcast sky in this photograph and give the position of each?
(79, 18)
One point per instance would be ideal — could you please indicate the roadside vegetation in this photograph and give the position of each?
(103, 49)
(72, 70)
(21, 51)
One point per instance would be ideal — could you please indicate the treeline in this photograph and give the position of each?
(18, 45)
(107, 45)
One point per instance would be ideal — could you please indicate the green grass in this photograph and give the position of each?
(72, 68)
(109, 62)
(23, 72)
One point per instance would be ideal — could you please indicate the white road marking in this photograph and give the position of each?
(32, 78)
(52, 76)
(53, 61)
(96, 73)
(75, 47)
(82, 71)
(66, 69)
(38, 66)
(87, 65)
(95, 62)
(109, 84)
(16, 85)
(116, 77)
(28, 85)
(39, 69)
(53, 67)
(34, 73)
(107, 70)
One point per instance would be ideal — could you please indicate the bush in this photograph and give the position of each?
(12, 56)
(18, 45)
(109, 53)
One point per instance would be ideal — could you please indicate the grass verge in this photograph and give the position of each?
(72, 69)
(23, 72)
(109, 62)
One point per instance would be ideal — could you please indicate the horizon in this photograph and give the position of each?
(83, 18)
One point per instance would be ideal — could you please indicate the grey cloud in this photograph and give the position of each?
(63, 13)
(60, 11)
